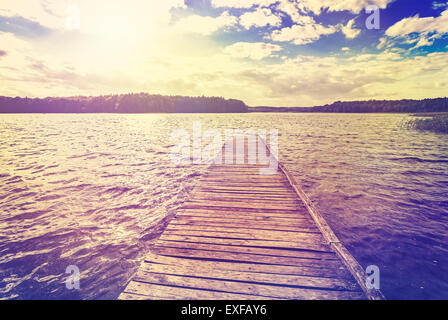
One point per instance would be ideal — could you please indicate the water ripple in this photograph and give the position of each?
(95, 191)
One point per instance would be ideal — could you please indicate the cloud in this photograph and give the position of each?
(241, 4)
(423, 42)
(376, 76)
(261, 17)
(302, 34)
(204, 25)
(354, 6)
(439, 5)
(383, 42)
(291, 9)
(421, 31)
(3, 53)
(349, 31)
(416, 24)
(23, 27)
(252, 50)
(306, 6)
(47, 6)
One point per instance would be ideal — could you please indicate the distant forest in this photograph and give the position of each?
(387, 106)
(146, 103)
(125, 103)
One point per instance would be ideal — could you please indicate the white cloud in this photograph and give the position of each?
(302, 34)
(422, 31)
(349, 31)
(423, 42)
(382, 43)
(291, 9)
(355, 6)
(260, 18)
(204, 25)
(246, 4)
(252, 50)
(314, 6)
(375, 76)
(416, 24)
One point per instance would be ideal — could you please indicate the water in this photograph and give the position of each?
(96, 191)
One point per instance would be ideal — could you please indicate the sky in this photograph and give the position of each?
(264, 52)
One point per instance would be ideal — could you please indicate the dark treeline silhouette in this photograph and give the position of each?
(146, 103)
(125, 103)
(396, 106)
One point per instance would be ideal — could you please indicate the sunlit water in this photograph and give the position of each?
(95, 191)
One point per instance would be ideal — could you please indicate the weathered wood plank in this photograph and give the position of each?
(237, 189)
(289, 214)
(252, 219)
(241, 196)
(229, 204)
(250, 233)
(247, 288)
(163, 292)
(254, 277)
(252, 200)
(253, 243)
(266, 226)
(252, 250)
(248, 258)
(244, 195)
(151, 258)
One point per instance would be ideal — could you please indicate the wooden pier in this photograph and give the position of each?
(246, 235)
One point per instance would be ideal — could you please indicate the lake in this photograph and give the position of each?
(96, 190)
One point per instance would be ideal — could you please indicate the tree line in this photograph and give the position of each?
(370, 106)
(147, 103)
(125, 103)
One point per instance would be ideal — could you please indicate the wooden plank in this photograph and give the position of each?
(253, 217)
(253, 189)
(247, 233)
(266, 226)
(243, 195)
(289, 214)
(163, 292)
(252, 243)
(246, 195)
(151, 258)
(322, 265)
(250, 221)
(252, 250)
(251, 277)
(229, 204)
(132, 296)
(246, 218)
(243, 239)
(245, 199)
(281, 179)
(267, 291)
(245, 185)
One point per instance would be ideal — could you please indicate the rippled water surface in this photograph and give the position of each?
(96, 190)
